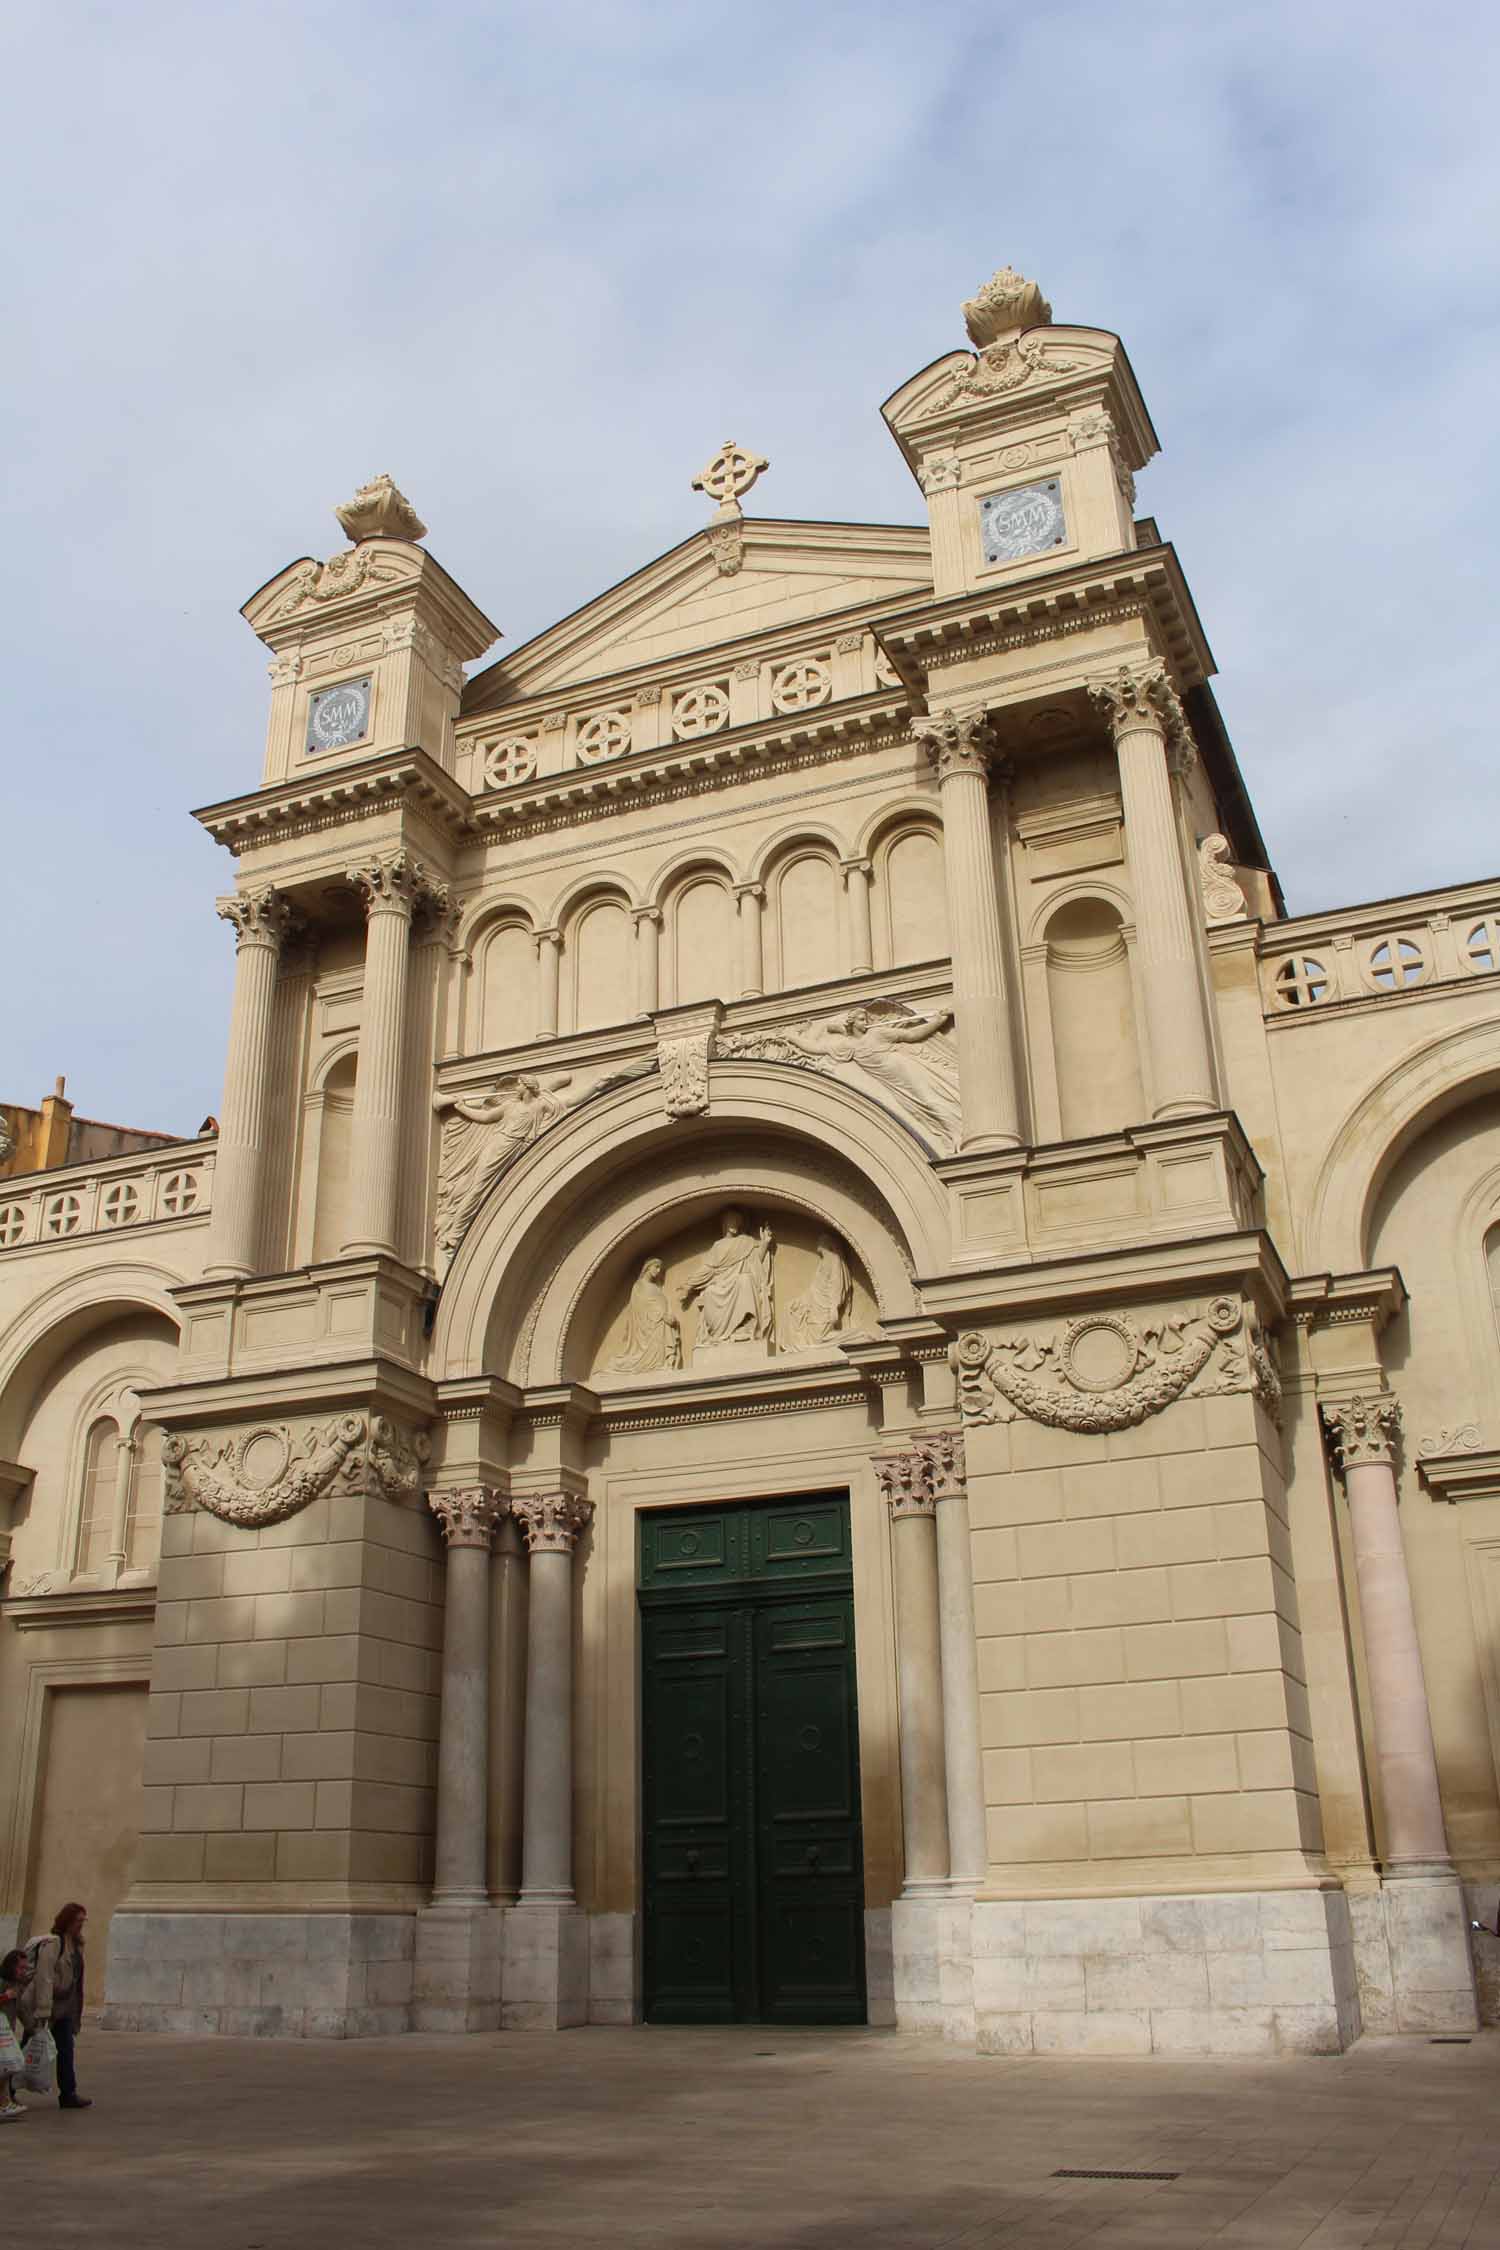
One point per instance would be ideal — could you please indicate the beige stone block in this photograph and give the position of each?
(392, 1809)
(1073, 1771)
(1055, 1660)
(1248, 1700)
(418, 1669)
(1243, 1528)
(994, 1556)
(226, 1620)
(1262, 1820)
(239, 1859)
(1035, 1497)
(1210, 1479)
(181, 1760)
(265, 1570)
(1115, 2031)
(1000, 1661)
(186, 1578)
(336, 1706)
(163, 1714)
(286, 1617)
(308, 1528)
(997, 1607)
(1140, 1828)
(177, 1535)
(1223, 1589)
(391, 1618)
(1178, 1429)
(284, 1710)
(335, 1803)
(207, 1805)
(1183, 1535)
(1060, 1550)
(170, 1859)
(252, 1664)
(280, 1804)
(247, 1757)
(213, 1536)
(1111, 1488)
(1015, 1721)
(1229, 1422)
(1121, 1713)
(312, 1856)
(396, 1758)
(1007, 1777)
(170, 1625)
(216, 1711)
(382, 1858)
(1192, 1763)
(156, 1810)
(1120, 1597)
(1264, 1644)
(1175, 1652)
(1266, 1761)
(389, 1710)
(1035, 1445)
(416, 1577)
(315, 1568)
(1146, 1980)
(343, 1609)
(194, 1666)
(343, 1657)
(317, 1757)
(1031, 1832)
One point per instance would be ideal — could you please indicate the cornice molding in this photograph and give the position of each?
(386, 783)
(38, 1613)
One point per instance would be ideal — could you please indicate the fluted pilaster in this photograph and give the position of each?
(392, 887)
(262, 922)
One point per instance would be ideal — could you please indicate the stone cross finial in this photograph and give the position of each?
(1007, 301)
(730, 474)
(379, 511)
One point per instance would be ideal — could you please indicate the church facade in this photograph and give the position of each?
(822, 1370)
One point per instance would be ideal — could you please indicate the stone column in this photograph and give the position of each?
(1415, 1842)
(752, 899)
(1421, 1899)
(1147, 722)
(647, 959)
(961, 751)
(550, 1523)
(548, 964)
(119, 1517)
(262, 923)
(467, 1519)
(906, 1486)
(858, 876)
(391, 888)
(968, 1852)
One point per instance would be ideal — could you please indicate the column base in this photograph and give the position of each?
(456, 1971)
(1222, 1973)
(1412, 1950)
(545, 1977)
(270, 1976)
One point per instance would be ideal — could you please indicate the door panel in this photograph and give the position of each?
(753, 1859)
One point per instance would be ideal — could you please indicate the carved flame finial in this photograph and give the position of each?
(730, 474)
(1006, 302)
(379, 511)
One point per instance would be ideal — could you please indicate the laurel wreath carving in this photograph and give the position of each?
(370, 1455)
(1036, 1376)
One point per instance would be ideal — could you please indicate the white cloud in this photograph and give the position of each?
(537, 259)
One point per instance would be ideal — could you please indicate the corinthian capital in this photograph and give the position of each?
(1363, 1430)
(467, 1517)
(942, 1458)
(956, 742)
(396, 882)
(551, 1521)
(260, 917)
(905, 1484)
(1142, 696)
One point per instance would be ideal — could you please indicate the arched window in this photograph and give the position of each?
(96, 1512)
(1093, 1020)
(143, 1516)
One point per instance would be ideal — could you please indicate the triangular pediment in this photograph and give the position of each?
(685, 602)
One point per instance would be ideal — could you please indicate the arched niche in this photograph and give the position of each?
(505, 971)
(331, 1130)
(818, 1288)
(805, 940)
(1095, 1049)
(913, 908)
(588, 1189)
(700, 935)
(600, 956)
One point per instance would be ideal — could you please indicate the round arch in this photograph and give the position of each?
(683, 866)
(38, 1337)
(790, 842)
(590, 890)
(481, 916)
(1449, 1070)
(570, 1202)
(1069, 894)
(897, 815)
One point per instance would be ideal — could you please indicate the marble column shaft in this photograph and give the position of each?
(919, 1684)
(858, 875)
(392, 888)
(1415, 1839)
(968, 1848)
(752, 899)
(548, 977)
(1145, 716)
(262, 921)
(467, 1518)
(960, 749)
(647, 960)
(550, 1523)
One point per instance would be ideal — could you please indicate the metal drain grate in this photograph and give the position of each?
(1068, 2173)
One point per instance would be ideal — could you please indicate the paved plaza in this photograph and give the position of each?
(800, 2140)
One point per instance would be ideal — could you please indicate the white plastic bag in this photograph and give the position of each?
(40, 2057)
(11, 2061)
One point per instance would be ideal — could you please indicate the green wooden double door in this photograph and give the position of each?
(753, 1859)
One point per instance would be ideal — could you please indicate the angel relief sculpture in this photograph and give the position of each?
(482, 1134)
(909, 1058)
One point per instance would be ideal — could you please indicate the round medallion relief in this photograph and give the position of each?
(1098, 1353)
(264, 1456)
(803, 1534)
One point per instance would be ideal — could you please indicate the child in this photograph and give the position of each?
(15, 1976)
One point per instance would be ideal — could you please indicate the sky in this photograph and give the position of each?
(537, 260)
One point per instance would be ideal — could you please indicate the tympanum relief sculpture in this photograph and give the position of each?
(737, 1299)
